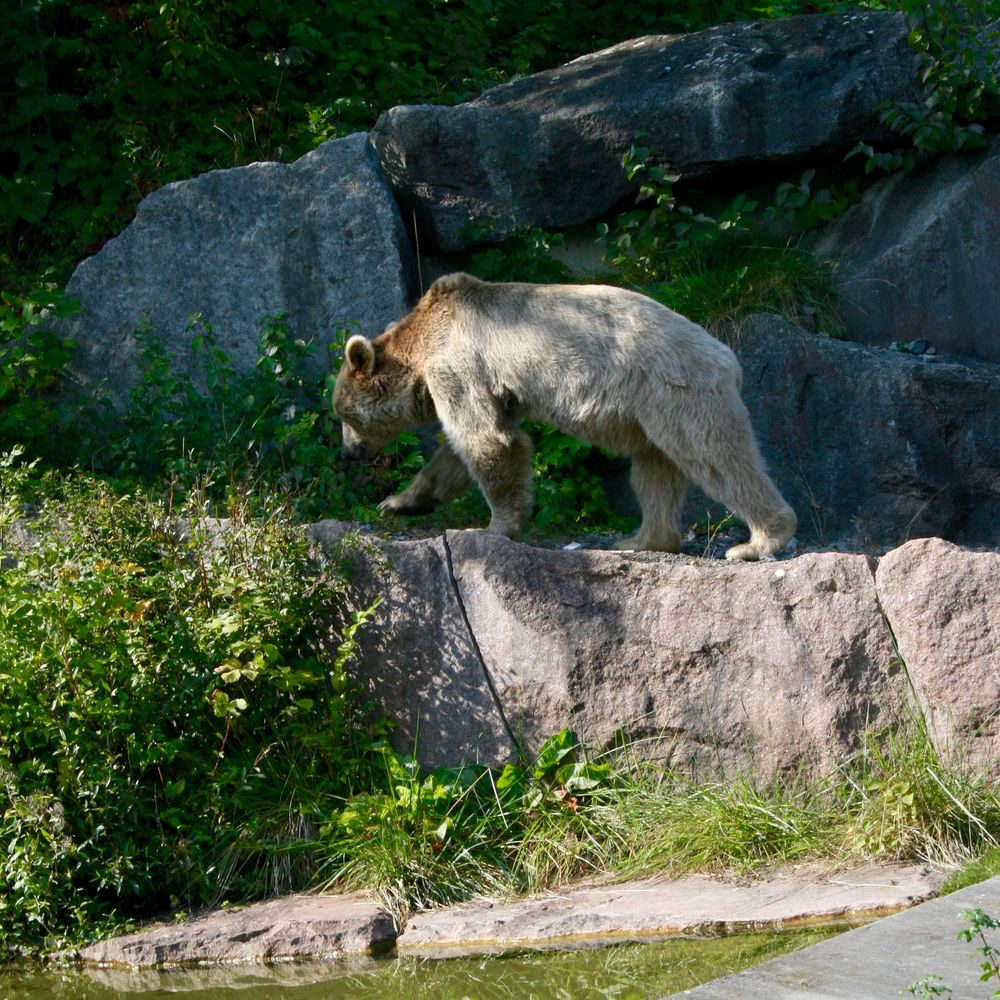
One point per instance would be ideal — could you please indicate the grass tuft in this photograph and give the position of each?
(722, 286)
(449, 836)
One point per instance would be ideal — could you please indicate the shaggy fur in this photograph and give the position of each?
(603, 364)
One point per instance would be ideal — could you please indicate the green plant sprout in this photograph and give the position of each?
(975, 933)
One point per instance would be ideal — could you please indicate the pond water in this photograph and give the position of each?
(624, 971)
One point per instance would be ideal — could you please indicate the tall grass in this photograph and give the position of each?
(423, 840)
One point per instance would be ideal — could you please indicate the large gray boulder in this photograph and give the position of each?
(751, 668)
(319, 240)
(872, 447)
(757, 670)
(920, 257)
(945, 613)
(546, 150)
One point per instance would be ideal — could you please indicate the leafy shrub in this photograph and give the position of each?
(570, 477)
(956, 51)
(32, 367)
(718, 268)
(212, 427)
(172, 725)
(522, 256)
(906, 802)
(268, 418)
(422, 839)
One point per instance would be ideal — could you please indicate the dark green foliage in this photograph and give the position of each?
(958, 70)
(718, 268)
(265, 418)
(524, 256)
(32, 369)
(569, 482)
(106, 101)
(172, 722)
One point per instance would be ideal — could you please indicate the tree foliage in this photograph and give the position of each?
(107, 100)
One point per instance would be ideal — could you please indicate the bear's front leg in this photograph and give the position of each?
(496, 451)
(441, 480)
(502, 467)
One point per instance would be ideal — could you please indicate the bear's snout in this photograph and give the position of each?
(353, 445)
(354, 452)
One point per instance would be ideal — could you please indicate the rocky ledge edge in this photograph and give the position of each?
(344, 927)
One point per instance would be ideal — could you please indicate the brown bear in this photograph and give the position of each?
(603, 364)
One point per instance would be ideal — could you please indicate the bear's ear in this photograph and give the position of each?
(360, 355)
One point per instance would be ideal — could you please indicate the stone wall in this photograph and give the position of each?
(483, 645)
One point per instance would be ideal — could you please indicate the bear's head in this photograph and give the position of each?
(376, 396)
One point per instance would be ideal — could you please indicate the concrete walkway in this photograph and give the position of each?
(878, 961)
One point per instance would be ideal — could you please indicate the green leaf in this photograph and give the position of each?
(555, 749)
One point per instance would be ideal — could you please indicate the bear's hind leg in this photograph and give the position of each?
(442, 479)
(766, 539)
(715, 447)
(660, 488)
(735, 476)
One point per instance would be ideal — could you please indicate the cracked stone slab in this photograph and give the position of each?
(339, 931)
(292, 927)
(692, 904)
(751, 668)
(941, 601)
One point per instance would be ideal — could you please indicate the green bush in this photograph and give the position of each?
(270, 418)
(956, 54)
(213, 426)
(106, 101)
(720, 268)
(32, 370)
(172, 723)
(420, 839)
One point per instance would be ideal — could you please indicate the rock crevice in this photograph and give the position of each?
(474, 642)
